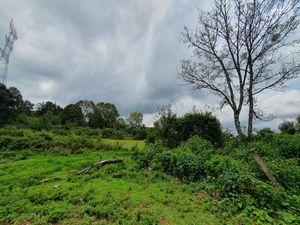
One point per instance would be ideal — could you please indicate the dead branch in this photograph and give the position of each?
(50, 179)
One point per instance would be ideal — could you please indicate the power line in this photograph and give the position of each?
(57, 67)
(46, 51)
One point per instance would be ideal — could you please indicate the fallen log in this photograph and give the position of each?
(107, 162)
(100, 164)
(265, 169)
(96, 165)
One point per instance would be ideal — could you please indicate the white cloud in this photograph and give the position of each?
(281, 104)
(148, 119)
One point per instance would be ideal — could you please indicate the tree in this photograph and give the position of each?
(12, 104)
(6, 104)
(105, 115)
(72, 114)
(172, 130)
(264, 132)
(297, 125)
(165, 127)
(287, 127)
(48, 107)
(87, 109)
(203, 124)
(238, 53)
(26, 107)
(16, 98)
(121, 123)
(135, 119)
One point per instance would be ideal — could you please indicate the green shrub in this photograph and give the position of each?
(231, 176)
(165, 162)
(198, 145)
(139, 133)
(287, 172)
(204, 124)
(186, 162)
(288, 145)
(180, 163)
(56, 215)
(144, 157)
(144, 217)
(187, 166)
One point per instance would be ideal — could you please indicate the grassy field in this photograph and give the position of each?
(124, 144)
(192, 184)
(114, 194)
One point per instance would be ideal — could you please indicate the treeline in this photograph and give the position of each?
(169, 129)
(15, 110)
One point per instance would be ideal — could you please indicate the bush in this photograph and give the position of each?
(57, 215)
(287, 127)
(113, 133)
(182, 164)
(185, 162)
(187, 166)
(264, 133)
(287, 172)
(139, 133)
(144, 157)
(199, 146)
(231, 176)
(172, 130)
(203, 124)
(151, 136)
(288, 145)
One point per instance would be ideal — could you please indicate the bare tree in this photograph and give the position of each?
(240, 49)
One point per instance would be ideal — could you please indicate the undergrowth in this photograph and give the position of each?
(194, 183)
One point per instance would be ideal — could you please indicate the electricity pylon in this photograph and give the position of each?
(6, 50)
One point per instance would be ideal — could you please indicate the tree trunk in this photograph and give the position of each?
(251, 104)
(250, 118)
(238, 125)
(265, 169)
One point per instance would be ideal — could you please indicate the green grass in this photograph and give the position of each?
(126, 194)
(114, 194)
(125, 144)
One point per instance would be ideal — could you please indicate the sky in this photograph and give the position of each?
(124, 52)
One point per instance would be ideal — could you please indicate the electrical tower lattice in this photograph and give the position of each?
(7, 49)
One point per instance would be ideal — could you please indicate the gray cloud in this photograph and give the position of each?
(125, 52)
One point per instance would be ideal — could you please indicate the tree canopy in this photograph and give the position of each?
(135, 119)
(172, 130)
(12, 104)
(240, 49)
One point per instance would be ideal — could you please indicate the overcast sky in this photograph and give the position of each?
(126, 52)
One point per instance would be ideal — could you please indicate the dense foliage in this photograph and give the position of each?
(235, 177)
(290, 127)
(191, 148)
(172, 130)
(238, 189)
